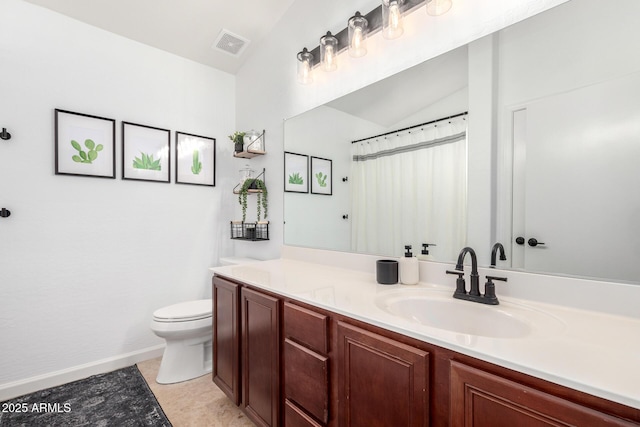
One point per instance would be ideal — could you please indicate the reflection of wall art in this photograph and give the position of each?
(321, 176)
(145, 153)
(85, 145)
(296, 173)
(195, 159)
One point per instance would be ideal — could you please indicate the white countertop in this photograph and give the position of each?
(594, 352)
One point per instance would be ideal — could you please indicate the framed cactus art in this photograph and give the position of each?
(195, 159)
(321, 176)
(146, 153)
(296, 173)
(85, 145)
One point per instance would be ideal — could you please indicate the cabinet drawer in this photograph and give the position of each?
(295, 417)
(306, 327)
(306, 379)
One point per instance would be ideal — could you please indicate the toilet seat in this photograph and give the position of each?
(184, 311)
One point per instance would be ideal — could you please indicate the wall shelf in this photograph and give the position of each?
(250, 153)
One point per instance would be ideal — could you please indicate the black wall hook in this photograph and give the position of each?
(5, 135)
(5, 213)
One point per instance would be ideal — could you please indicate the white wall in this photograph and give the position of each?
(85, 261)
(267, 91)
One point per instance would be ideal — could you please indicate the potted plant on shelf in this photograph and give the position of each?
(262, 201)
(238, 140)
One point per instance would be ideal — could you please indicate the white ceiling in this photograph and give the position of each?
(187, 28)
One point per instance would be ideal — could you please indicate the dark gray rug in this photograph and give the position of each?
(119, 398)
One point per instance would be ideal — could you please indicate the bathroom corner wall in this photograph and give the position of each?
(84, 262)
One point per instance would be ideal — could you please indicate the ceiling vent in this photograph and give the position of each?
(230, 43)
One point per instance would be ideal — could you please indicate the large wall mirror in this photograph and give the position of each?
(565, 162)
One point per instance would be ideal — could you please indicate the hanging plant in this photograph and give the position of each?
(262, 202)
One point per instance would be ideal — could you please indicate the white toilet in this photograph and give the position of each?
(187, 328)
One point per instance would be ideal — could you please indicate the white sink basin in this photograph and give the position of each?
(441, 310)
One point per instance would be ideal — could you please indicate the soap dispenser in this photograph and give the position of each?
(409, 268)
(425, 255)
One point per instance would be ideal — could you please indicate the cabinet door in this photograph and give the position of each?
(479, 399)
(226, 338)
(261, 357)
(381, 382)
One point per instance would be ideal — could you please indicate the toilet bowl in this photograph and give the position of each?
(187, 329)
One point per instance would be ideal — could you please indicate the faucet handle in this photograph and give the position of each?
(461, 288)
(490, 290)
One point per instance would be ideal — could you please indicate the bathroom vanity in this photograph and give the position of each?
(297, 343)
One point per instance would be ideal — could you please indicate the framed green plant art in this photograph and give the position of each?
(195, 159)
(146, 153)
(321, 176)
(296, 172)
(85, 145)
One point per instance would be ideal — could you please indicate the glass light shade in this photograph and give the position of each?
(392, 19)
(253, 141)
(358, 26)
(329, 52)
(438, 7)
(305, 65)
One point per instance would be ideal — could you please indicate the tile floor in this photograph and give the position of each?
(194, 403)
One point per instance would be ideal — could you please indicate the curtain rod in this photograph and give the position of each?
(412, 127)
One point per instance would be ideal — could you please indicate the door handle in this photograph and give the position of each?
(534, 242)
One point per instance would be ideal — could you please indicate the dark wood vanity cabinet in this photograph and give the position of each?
(289, 363)
(483, 399)
(246, 357)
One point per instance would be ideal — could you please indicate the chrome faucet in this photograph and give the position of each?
(497, 247)
(474, 293)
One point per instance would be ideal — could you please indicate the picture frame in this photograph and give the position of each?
(296, 172)
(85, 145)
(195, 159)
(321, 176)
(146, 153)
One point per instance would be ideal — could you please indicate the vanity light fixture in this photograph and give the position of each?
(392, 19)
(305, 63)
(438, 7)
(358, 26)
(329, 52)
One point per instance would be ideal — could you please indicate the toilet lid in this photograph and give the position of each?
(190, 310)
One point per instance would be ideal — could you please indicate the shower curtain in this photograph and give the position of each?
(411, 188)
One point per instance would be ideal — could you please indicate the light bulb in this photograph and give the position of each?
(392, 19)
(329, 60)
(394, 16)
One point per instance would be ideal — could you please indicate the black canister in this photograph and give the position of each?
(387, 271)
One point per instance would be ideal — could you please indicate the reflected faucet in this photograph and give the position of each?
(497, 247)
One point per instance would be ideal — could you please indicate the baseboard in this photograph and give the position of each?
(40, 382)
